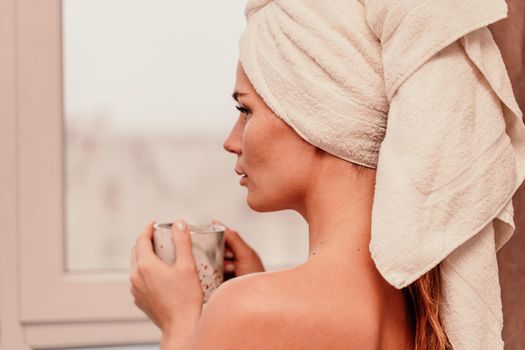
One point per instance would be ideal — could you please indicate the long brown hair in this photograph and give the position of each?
(425, 305)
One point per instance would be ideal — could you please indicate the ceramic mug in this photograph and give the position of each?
(207, 242)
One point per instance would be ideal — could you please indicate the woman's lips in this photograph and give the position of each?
(243, 180)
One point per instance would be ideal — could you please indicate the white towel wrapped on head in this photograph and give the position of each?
(418, 90)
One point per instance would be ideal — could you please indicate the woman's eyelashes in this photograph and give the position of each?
(243, 110)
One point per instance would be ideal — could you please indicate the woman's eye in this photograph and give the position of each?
(243, 110)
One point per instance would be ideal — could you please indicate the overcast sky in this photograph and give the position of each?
(152, 64)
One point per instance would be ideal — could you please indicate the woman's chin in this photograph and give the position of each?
(261, 205)
(253, 204)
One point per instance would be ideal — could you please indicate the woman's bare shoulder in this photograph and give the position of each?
(276, 310)
(243, 313)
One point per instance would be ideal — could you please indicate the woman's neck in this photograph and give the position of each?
(338, 207)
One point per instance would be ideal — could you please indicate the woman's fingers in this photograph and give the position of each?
(234, 241)
(144, 244)
(228, 254)
(149, 230)
(182, 242)
(229, 266)
(239, 257)
(133, 259)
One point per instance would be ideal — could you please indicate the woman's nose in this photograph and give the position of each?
(233, 142)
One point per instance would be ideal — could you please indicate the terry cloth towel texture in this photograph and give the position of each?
(418, 90)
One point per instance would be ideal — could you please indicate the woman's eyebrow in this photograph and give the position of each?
(237, 94)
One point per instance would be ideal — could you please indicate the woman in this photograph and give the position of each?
(337, 297)
(313, 110)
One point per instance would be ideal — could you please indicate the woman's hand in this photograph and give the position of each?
(239, 258)
(170, 295)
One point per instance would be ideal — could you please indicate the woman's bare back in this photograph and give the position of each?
(310, 307)
(336, 311)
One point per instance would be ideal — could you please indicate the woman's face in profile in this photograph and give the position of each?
(277, 162)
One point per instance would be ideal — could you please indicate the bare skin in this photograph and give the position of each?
(338, 290)
(336, 299)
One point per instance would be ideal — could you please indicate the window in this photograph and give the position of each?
(99, 107)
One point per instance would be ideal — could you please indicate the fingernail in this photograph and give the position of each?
(180, 225)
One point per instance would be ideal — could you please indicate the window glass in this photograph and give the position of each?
(147, 106)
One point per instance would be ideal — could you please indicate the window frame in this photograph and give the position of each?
(41, 304)
(10, 332)
(56, 308)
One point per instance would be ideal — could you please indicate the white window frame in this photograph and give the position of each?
(41, 305)
(10, 332)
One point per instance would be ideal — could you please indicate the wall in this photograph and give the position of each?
(510, 36)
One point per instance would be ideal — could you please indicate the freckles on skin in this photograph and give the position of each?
(275, 158)
(262, 161)
(278, 158)
(262, 143)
